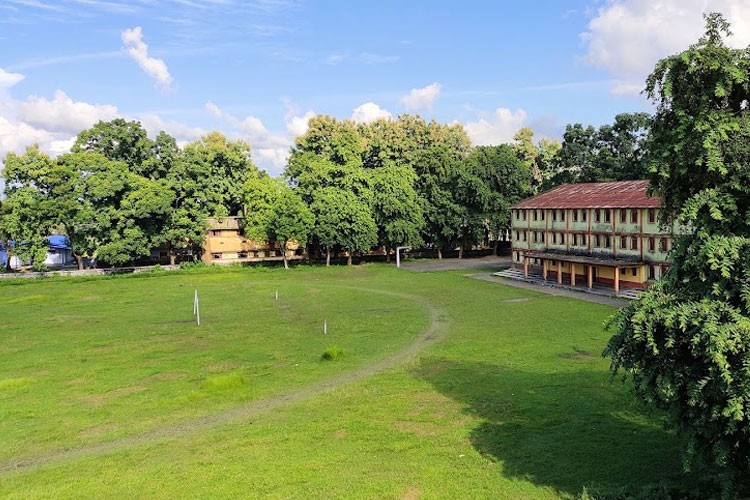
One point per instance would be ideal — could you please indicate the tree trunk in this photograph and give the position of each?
(461, 250)
(172, 258)
(283, 255)
(79, 262)
(440, 254)
(495, 248)
(349, 259)
(387, 255)
(328, 256)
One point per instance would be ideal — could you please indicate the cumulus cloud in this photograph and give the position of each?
(138, 51)
(369, 112)
(627, 37)
(269, 150)
(62, 114)
(421, 99)
(498, 128)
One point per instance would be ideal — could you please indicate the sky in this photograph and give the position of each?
(257, 70)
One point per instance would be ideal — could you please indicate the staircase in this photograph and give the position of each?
(598, 288)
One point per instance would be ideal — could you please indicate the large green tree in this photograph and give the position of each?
(686, 342)
(31, 215)
(609, 153)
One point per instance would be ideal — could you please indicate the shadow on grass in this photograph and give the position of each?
(561, 430)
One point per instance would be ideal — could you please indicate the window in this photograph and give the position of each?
(634, 243)
(542, 237)
(562, 239)
(623, 242)
(216, 255)
(554, 238)
(651, 272)
(536, 215)
(651, 244)
(583, 215)
(554, 215)
(634, 271)
(607, 215)
(606, 242)
(524, 236)
(216, 232)
(562, 215)
(622, 270)
(518, 215)
(583, 240)
(524, 215)
(598, 215)
(535, 236)
(623, 215)
(575, 215)
(518, 236)
(543, 214)
(633, 216)
(651, 215)
(664, 245)
(596, 241)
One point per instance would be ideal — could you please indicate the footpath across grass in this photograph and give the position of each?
(514, 400)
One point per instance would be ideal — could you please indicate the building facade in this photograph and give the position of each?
(590, 233)
(225, 243)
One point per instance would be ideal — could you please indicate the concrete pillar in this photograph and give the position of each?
(572, 274)
(525, 267)
(591, 276)
(617, 281)
(559, 272)
(544, 269)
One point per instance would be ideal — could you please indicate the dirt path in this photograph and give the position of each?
(434, 333)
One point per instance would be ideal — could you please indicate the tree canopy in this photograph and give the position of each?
(686, 342)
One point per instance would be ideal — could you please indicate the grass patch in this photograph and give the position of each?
(332, 354)
(15, 383)
(223, 383)
(514, 402)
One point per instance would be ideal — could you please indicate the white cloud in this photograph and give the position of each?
(297, 125)
(272, 150)
(7, 80)
(369, 112)
(153, 124)
(138, 50)
(498, 128)
(421, 99)
(62, 114)
(628, 37)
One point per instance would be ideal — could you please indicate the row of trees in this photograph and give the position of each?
(405, 182)
(118, 194)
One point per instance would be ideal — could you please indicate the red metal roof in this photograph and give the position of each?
(621, 194)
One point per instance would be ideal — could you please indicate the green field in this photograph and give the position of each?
(448, 387)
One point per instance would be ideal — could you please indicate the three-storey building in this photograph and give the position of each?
(605, 232)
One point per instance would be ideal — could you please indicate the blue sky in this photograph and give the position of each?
(258, 69)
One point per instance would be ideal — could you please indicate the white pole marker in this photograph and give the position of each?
(325, 327)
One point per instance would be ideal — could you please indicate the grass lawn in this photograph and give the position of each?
(448, 387)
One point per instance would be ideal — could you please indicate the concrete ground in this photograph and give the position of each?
(498, 263)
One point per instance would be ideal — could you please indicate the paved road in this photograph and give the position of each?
(423, 265)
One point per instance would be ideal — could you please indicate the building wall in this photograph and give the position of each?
(225, 244)
(586, 232)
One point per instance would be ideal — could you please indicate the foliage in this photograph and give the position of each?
(686, 343)
(610, 153)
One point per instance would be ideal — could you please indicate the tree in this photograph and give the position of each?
(340, 219)
(291, 220)
(610, 153)
(31, 215)
(686, 342)
(118, 139)
(507, 179)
